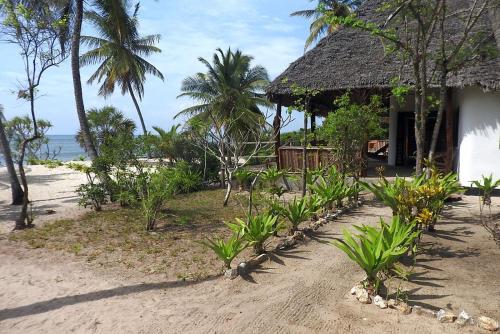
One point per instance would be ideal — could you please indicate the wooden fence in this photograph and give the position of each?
(291, 158)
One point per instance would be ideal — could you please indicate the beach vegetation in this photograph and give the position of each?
(256, 230)
(377, 249)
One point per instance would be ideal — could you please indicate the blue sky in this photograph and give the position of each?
(189, 29)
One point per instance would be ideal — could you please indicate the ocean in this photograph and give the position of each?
(70, 149)
(66, 145)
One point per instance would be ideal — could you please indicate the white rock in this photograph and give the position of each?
(380, 302)
(403, 308)
(445, 317)
(464, 318)
(231, 273)
(487, 323)
(363, 296)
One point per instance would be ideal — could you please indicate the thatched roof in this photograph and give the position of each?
(350, 59)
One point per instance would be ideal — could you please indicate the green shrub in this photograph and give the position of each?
(257, 230)
(181, 178)
(421, 199)
(389, 193)
(49, 163)
(153, 190)
(377, 249)
(226, 250)
(93, 195)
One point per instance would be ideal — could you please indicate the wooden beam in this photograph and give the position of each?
(313, 128)
(277, 132)
(304, 152)
(450, 127)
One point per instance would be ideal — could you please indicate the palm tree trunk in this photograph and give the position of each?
(77, 81)
(131, 92)
(15, 186)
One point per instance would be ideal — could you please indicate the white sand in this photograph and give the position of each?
(49, 189)
(305, 290)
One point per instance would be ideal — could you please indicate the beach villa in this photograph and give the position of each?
(355, 61)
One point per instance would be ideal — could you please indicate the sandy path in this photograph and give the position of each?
(302, 291)
(52, 189)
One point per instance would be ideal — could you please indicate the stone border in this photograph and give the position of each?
(246, 267)
(443, 316)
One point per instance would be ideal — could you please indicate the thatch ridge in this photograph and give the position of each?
(351, 59)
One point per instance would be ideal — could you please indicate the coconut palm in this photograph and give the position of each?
(119, 50)
(104, 124)
(166, 141)
(77, 81)
(320, 26)
(15, 186)
(230, 92)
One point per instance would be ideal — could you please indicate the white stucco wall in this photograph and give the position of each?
(479, 135)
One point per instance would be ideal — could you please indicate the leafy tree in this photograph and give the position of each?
(119, 50)
(320, 25)
(38, 29)
(20, 129)
(104, 124)
(348, 129)
(418, 33)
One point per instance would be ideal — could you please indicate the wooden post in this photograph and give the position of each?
(450, 127)
(277, 133)
(313, 128)
(304, 153)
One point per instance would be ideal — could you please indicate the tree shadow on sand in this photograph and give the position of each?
(60, 302)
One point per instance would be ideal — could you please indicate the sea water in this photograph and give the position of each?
(66, 147)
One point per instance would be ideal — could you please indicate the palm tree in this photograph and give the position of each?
(15, 186)
(77, 81)
(104, 124)
(230, 91)
(319, 27)
(229, 96)
(120, 50)
(166, 141)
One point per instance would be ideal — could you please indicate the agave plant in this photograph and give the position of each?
(377, 249)
(330, 192)
(315, 203)
(297, 212)
(313, 175)
(243, 176)
(226, 250)
(257, 230)
(388, 192)
(271, 176)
